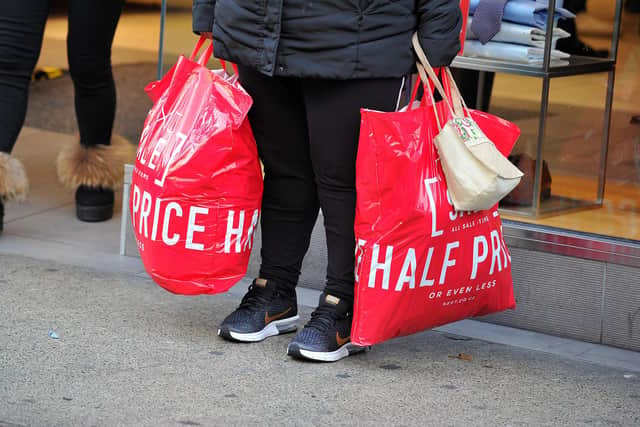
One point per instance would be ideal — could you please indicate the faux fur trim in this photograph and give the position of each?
(14, 184)
(96, 166)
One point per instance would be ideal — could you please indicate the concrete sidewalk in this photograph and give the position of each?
(130, 353)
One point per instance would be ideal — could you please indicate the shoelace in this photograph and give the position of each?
(255, 298)
(322, 318)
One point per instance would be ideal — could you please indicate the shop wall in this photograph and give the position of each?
(576, 298)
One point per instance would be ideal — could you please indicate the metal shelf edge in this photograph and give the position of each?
(573, 244)
(575, 68)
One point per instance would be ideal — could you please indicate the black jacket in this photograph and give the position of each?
(330, 39)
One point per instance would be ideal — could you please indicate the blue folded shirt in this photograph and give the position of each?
(521, 34)
(527, 12)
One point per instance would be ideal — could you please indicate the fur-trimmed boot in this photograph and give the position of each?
(94, 173)
(14, 184)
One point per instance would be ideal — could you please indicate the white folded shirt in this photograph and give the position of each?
(513, 53)
(521, 34)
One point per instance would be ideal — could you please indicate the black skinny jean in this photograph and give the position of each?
(92, 25)
(307, 135)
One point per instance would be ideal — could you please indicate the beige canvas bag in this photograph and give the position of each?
(478, 176)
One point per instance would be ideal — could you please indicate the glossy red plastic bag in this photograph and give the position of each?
(197, 183)
(420, 263)
(464, 9)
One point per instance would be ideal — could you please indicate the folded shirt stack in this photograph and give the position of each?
(521, 37)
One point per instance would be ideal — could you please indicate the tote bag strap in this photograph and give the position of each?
(459, 107)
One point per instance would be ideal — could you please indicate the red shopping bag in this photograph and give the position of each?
(420, 263)
(464, 8)
(197, 183)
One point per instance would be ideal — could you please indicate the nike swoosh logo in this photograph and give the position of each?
(342, 341)
(268, 319)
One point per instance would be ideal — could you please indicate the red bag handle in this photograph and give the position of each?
(197, 48)
(426, 87)
(224, 66)
(414, 93)
(206, 55)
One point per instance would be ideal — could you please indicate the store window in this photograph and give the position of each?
(589, 183)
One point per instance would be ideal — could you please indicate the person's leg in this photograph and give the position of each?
(289, 208)
(289, 205)
(92, 26)
(21, 29)
(94, 168)
(333, 117)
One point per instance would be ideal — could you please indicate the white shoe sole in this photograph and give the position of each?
(274, 328)
(333, 356)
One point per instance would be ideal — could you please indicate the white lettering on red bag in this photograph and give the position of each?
(496, 251)
(432, 203)
(234, 234)
(160, 144)
(252, 227)
(384, 266)
(425, 281)
(142, 207)
(171, 206)
(359, 253)
(448, 262)
(192, 227)
(144, 214)
(233, 231)
(500, 259)
(478, 257)
(408, 265)
(156, 152)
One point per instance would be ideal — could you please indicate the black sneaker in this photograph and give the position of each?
(265, 311)
(327, 336)
(1, 215)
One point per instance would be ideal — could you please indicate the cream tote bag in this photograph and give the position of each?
(478, 176)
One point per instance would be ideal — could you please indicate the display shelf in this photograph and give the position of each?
(551, 206)
(577, 65)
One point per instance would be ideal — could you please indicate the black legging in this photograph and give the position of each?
(92, 25)
(307, 136)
